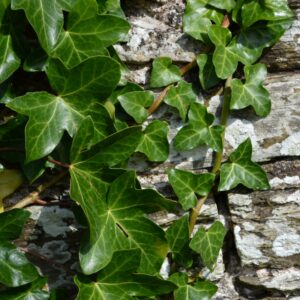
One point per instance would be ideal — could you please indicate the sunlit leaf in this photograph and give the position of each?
(199, 130)
(188, 185)
(154, 143)
(251, 93)
(49, 115)
(208, 243)
(117, 220)
(163, 72)
(241, 170)
(119, 280)
(135, 104)
(181, 97)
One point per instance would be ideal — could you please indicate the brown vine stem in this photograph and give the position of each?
(59, 163)
(34, 197)
(219, 155)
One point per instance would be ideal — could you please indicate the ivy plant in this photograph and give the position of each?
(68, 109)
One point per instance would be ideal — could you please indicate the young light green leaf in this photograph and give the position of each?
(225, 61)
(200, 290)
(164, 72)
(222, 4)
(119, 280)
(135, 104)
(154, 143)
(219, 35)
(86, 38)
(9, 61)
(32, 292)
(241, 170)
(199, 130)
(117, 221)
(178, 234)
(16, 270)
(266, 10)
(181, 97)
(50, 115)
(46, 18)
(11, 223)
(207, 74)
(187, 185)
(208, 243)
(251, 93)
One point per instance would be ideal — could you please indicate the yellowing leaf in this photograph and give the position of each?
(10, 180)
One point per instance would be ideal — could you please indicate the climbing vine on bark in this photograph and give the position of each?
(66, 106)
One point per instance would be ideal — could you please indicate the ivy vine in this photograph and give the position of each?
(67, 107)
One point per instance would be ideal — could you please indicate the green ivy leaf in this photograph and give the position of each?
(266, 10)
(207, 74)
(129, 87)
(117, 220)
(4, 5)
(200, 290)
(241, 170)
(199, 130)
(49, 115)
(186, 185)
(251, 93)
(11, 223)
(219, 35)
(119, 280)
(46, 18)
(16, 270)
(9, 61)
(197, 19)
(86, 38)
(110, 151)
(178, 234)
(134, 104)
(154, 143)
(222, 4)
(164, 72)
(33, 291)
(181, 97)
(208, 243)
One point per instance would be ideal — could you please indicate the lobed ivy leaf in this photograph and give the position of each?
(9, 61)
(88, 37)
(208, 243)
(129, 87)
(49, 115)
(154, 143)
(228, 5)
(251, 93)
(200, 290)
(46, 18)
(267, 10)
(181, 97)
(12, 222)
(219, 35)
(135, 104)
(241, 170)
(207, 74)
(34, 291)
(119, 280)
(117, 220)
(199, 130)
(198, 18)
(164, 72)
(16, 270)
(187, 185)
(178, 234)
